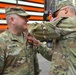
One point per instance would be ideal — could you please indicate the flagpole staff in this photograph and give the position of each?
(16, 2)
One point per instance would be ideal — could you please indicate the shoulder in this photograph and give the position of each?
(69, 21)
(65, 22)
(3, 36)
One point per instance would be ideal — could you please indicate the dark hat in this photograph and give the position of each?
(16, 10)
(60, 5)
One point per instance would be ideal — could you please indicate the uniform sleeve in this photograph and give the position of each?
(2, 57)
(44, 31)
(45, 52)
(5, 59)
(53, 30)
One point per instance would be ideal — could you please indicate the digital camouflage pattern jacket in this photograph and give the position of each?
(18, 57)
(63, 34)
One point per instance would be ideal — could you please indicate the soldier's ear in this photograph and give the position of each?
(12, 20)
(66, 10)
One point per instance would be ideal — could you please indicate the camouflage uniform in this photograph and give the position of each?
(63, 34)
(18, 57)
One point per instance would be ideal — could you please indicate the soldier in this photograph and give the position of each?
(64, 61)
(63, 33)
(18, 56)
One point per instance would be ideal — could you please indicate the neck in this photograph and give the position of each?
(15, 32)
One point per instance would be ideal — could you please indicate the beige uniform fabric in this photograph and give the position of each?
(19, 58)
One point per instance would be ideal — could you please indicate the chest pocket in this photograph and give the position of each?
(21, 52)
(15, 51)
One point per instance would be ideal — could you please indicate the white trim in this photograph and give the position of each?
(23, 3)
(4, 22)
(2, 10)
(32, 4)
(35, 13)
(29, 12)
(34, 21)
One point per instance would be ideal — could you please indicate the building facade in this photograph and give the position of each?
(33, 7)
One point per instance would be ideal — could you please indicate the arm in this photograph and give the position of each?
(45, 51)
(42, 31)
(2, 58)
(53, 30)
(42, 49)
(5, 59)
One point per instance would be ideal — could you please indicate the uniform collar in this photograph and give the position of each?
(13, 37)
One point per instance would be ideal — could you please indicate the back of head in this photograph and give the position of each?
(61, 5)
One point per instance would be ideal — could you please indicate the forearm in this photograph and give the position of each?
(45, 51)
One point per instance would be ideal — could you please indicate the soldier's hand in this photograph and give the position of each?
(32, 40)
